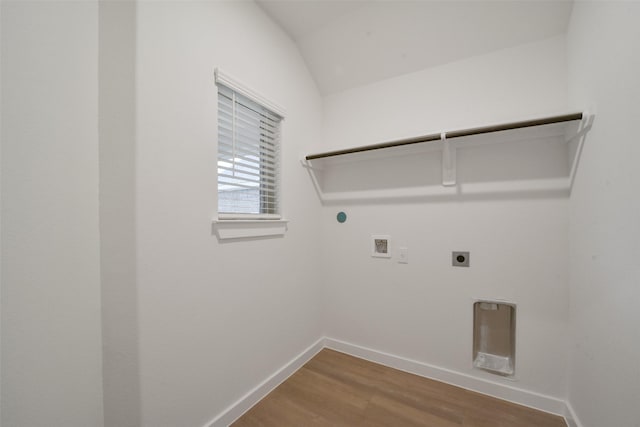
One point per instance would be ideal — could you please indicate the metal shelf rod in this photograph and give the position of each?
(451, 135)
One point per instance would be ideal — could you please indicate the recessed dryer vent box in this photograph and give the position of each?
(380, 246)
(494, 337)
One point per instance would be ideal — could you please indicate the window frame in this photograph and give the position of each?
(236, 225)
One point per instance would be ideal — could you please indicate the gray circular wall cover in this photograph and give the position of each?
(341, 217)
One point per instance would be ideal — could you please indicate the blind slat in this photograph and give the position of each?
(248, 155)
(254, 174)
(240, 164)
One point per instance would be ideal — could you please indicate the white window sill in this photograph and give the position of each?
(248, 228)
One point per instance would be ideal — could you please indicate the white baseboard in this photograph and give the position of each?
(242, 405)
(570, 416)
(501, 391)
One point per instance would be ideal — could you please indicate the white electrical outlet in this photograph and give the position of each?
(403, 255)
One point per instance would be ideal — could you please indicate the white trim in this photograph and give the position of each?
(519, 396)
(225, 79)
(242, 405)
(570, 416)
(246, 228)
(501, 391)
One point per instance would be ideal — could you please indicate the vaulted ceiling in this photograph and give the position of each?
(349, 43)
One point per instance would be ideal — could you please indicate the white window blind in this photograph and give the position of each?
(248, 158)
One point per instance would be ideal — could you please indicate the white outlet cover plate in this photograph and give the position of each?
(403, 256)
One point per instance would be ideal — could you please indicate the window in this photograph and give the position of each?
(248, 155)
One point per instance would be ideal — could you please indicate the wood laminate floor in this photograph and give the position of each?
(334, 389)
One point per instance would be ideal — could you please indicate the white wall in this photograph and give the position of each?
(507, 85)
(518, 240)
(116, 62)
(193, 326)
(215, 319)
(51, 341)
(604, 65)
(0, 218)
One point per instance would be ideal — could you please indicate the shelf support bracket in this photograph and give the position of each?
(312, 173)
(448, 162)
(578, 138)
